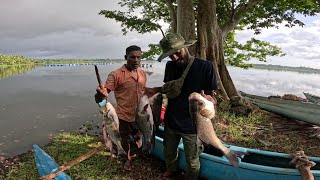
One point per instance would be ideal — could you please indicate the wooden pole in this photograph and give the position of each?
(74, 162)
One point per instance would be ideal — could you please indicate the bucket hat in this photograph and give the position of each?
(172, 43)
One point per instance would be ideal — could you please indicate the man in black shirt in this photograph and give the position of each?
(200, 78)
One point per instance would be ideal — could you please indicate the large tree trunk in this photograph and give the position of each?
(173, 15)
(208, 25)
(202, 42)
(226, 80)
(186, 21)
(210, 38)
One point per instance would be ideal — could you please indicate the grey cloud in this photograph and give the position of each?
(64, 29)
(37, 17)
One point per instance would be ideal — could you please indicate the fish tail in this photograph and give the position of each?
(232, 156)
(121, 151)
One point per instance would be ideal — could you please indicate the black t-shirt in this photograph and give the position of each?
(201, 76)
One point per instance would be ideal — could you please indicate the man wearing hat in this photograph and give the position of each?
(200, 78)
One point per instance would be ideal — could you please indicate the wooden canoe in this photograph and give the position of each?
(312, 98)
(46, 165)
(303, 111)
(256, 164)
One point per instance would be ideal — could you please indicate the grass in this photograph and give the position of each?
(67, 146)
(257, 131)
(238, 128)
(265, 132)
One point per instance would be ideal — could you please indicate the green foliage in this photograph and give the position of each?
(152, 52)
(264, 14)
(68, 146)
(13, 60)
(239, 127)
(151, 13)
(270, 13)
(237, 54)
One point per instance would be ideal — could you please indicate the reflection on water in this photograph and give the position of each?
(267, 82)
(6, 71)
(50, 100)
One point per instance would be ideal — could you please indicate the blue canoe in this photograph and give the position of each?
(46, 165)
(255, 165)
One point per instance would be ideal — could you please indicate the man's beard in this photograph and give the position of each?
(182, 61)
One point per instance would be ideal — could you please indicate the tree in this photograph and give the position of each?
(213, 24)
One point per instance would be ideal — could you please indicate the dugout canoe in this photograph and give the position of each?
(312, 98)
(256, 164)
(304, 111)
(46, 165)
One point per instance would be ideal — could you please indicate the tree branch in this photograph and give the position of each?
(240, 11)
(173, 14)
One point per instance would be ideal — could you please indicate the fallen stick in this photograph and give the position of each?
(72, 163)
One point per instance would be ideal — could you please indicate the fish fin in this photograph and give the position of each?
(107, 140)
(232, 156)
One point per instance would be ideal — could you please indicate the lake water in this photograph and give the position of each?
(43, 101)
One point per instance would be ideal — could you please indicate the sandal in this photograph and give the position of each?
(127, 165)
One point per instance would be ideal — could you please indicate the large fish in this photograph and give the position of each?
(202, 111)
(144, 119)
(111, 128)
(156, 105)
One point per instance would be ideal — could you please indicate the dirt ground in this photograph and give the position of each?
(277, 134)
(285, 135)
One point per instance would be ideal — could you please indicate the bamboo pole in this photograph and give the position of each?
(73, 163)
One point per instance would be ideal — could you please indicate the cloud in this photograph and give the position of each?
(65, 29)
(73, 29)
(301, 44)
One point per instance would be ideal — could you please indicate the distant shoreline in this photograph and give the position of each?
(287, 68)
(7, 60)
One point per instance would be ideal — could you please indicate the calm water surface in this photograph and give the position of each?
(45, 101)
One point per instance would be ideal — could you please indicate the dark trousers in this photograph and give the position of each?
(192, 148)
(127, 131)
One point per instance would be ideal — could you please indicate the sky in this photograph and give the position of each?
(73, 29)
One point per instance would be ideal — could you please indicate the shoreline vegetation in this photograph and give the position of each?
(287, 68)
(10, 60)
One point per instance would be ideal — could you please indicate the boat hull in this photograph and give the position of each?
(303, 111)
(46, 165)
(256, 164)
(312, 98)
